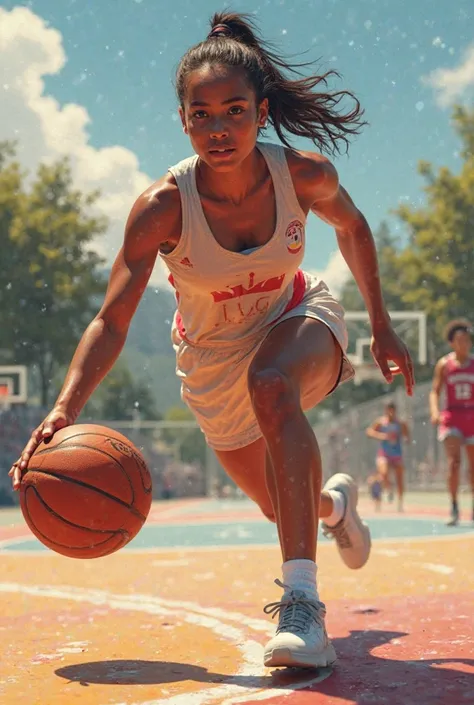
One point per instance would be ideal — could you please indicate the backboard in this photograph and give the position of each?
(409, 325)
(13, 385)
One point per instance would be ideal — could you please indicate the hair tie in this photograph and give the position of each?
(220, 30)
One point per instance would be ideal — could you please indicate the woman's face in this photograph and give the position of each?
(221, 116)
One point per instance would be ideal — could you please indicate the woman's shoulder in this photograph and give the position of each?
(311, 172)
(159, 202)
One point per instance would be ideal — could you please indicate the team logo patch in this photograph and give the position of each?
(294, 237)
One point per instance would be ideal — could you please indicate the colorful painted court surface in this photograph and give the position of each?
(177, 617)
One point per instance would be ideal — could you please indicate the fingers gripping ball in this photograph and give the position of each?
(87, 492)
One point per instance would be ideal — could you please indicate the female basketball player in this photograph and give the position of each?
(455, 374)
(389, 430)
(257, 340)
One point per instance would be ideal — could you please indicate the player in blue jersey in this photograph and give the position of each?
(389, 430)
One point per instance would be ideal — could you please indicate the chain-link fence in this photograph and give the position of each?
(345, 445)
(183, 466)
(16, 425)
(179, 461)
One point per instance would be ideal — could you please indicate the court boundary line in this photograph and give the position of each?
(196, 614)
(231, 547)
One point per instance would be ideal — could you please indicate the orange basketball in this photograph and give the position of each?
(87, 492)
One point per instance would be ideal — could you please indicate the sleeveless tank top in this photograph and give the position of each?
(459, 383)
(392, 447)
(223, 296)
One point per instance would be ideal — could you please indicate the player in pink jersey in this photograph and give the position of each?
(257, 340)
(454, 374)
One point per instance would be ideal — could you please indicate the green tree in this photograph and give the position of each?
(436, 267)
(121, 397)
(12, 201)
(188, 443)
(49, 276)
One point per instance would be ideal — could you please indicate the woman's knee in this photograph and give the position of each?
(274, 396)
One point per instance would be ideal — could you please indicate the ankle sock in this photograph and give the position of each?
(300, 574)
(338, 509)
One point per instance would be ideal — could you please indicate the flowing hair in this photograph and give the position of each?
(294, 106)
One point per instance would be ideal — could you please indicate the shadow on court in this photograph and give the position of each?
(360, 677)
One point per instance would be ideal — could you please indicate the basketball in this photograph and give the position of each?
(87, 492)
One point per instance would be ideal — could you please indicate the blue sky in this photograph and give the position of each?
(119, 58)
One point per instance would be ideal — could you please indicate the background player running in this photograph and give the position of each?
(454, 375)
(389, 430)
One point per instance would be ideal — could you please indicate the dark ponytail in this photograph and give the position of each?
(294, 106)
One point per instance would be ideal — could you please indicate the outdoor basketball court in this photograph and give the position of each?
(177, 617)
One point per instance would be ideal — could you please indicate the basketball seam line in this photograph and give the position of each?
(112, 532)
(53, 473)
(75, 446)
(61, 445)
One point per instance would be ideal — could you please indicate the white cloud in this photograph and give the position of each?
(46, 130)
(335, 274)
(452, 84)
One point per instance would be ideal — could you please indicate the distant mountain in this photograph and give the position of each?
(150, 330)
(148, 350)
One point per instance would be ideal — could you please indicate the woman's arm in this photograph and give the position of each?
(319, 181)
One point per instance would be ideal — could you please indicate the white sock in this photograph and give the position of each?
(338, 508)
(300, 574)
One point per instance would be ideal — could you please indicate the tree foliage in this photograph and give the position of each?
(435, 269)
(122, 397)
(49, 274)
(189, 443)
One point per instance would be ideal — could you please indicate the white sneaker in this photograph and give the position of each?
(301, 640)
(351, 534)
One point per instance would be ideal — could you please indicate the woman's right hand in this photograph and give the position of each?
(55, 420)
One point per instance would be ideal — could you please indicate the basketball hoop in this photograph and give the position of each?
(13, 385)
(411, 326)
(6, 388)
(366, 372)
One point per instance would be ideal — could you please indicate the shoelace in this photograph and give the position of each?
(296, 611)
(339, 533)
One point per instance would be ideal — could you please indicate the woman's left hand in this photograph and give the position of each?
(387, 347)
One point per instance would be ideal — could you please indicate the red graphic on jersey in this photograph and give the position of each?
(235, 292)
(294, 237)
(236, 312)
(186, 262)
